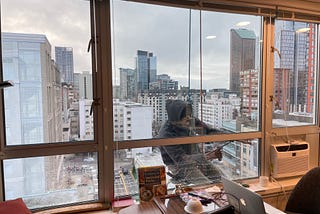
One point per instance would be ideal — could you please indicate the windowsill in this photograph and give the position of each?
(285, 184)
(94, 208)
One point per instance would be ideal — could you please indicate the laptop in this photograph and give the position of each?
(246, 201)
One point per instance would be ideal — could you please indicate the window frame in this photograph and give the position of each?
(267, 132)
(104, 143)
(50, 149)
(129, 144)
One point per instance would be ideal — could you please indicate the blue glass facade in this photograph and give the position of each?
(146, 66)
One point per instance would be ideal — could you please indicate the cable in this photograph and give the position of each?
(282, 189)
(189, 55)
(201, 96)
(220, 197)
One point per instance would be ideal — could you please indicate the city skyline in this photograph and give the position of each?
(170, 44)
(172, 33)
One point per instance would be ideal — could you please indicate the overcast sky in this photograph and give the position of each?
(64, 22)
(158, 29)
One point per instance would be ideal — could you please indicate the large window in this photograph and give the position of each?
(44, 54)
(177, 60)
(295, 69)
(51, 70)
(187, 55)
(52, 180)
(239, 161)
(103, 87)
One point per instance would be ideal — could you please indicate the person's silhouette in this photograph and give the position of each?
(183, 159)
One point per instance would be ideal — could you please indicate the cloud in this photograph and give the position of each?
(65, 23)
(158, 29)
(165, 32)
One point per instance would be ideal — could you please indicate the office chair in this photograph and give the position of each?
(305, 197)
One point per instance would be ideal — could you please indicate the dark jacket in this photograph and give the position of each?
(186, 162)
(173, 154)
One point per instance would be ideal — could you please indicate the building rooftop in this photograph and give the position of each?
(245, 33)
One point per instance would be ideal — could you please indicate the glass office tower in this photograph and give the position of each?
(30, 118)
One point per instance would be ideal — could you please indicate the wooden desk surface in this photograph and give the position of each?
(170, 205)
(144, 208)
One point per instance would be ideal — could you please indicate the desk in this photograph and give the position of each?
(157, 206)
(169, 205)
(176, 206)
(144, 208)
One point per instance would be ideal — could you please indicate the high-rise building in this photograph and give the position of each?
(86, 127)
(76, 84)
(64, 60)
(294, 66)
(32, 109)
(83, 84)
(157, 99)
(242, 55)
(241, 159)
(132, 121)
(249, 93)
(73, 120)
(127, 84)
(164, 82)
(146, 68)
(217, 109)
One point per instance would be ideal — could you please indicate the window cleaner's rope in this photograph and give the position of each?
(200, 40)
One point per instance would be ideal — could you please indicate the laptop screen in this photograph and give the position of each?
(244, 200)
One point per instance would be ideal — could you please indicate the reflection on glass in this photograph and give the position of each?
(195, 164)
(294, 73)
(52, 180)
(51, 70)
(150, 69)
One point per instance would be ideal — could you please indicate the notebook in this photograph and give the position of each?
(245, 201)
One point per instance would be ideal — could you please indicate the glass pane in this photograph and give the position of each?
(187, 164)
(52, 180)
(295, 72)
(155, 63)
(44, 54)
